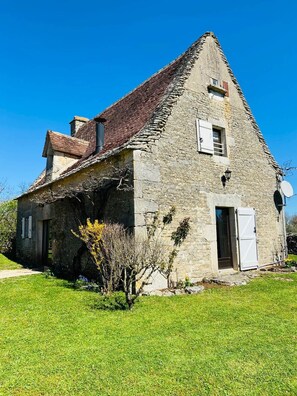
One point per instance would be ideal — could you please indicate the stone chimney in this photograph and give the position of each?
(76, 123)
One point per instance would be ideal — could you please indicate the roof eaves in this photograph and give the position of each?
(89, 162)
(46, 143)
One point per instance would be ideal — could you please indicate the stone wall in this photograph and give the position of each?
(110, 205)
(173, 172)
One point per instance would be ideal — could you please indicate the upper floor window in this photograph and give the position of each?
(218, 142)
(214, 82)
(218, 89)
(211, 139)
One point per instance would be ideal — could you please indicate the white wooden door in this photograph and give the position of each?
(247, 237)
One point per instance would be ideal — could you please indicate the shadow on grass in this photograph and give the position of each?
(106, 302)
(7, 262)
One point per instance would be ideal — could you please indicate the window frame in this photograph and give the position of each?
(222, 150)
(26, 232)
(205, 133)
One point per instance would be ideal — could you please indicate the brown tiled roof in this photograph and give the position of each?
(65, 144)
(128, 116)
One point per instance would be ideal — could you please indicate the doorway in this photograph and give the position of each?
(46, 243)
(224, 243)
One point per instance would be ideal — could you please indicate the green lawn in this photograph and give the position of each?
(6, 264)
(226, 341)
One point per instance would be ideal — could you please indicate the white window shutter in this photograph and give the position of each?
(205, 137)
(23, 227)
(30, 227)
(247, 238)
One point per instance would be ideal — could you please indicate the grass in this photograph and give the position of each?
(226, 341)
(6, 264)
(292, 257)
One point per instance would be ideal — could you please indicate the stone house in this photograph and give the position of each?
(187, 138)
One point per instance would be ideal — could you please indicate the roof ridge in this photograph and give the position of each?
(68, 136)
(155, 74)
(175, 89)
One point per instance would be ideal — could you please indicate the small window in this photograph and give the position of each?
(26, 227)
(215, 82)
(211, 139)
(218, 88)
(219, 147)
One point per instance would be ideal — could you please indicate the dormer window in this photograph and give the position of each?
(61, 152)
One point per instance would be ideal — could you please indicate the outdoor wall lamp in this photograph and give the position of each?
(228, 174)
(226, 177)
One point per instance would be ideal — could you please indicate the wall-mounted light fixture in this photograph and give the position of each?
(226, 176)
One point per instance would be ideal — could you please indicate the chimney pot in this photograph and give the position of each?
(99, 133)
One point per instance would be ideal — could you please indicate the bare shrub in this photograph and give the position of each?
(127, 262)
(123, 259)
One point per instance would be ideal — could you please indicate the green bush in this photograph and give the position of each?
(290, 263)
(112, 302)
(83, 283)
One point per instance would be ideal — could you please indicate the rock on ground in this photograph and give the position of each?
(194, 289)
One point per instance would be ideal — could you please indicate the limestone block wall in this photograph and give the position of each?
(173, 172)
(67, 215)
(60, 163)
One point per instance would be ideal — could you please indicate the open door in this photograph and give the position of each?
(224, 243)
(247, 238)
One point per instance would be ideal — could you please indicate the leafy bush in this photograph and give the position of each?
(48, 273)
(112, 302)
(181, 232)
(290, 263)
(83, 283)
(292, 244)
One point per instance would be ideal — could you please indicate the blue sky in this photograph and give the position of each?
(66, 58)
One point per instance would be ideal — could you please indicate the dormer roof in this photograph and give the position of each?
(65, 144)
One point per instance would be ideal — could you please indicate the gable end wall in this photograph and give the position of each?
(175, 173)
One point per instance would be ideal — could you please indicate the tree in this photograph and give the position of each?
(291, 224)
(8, 215)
